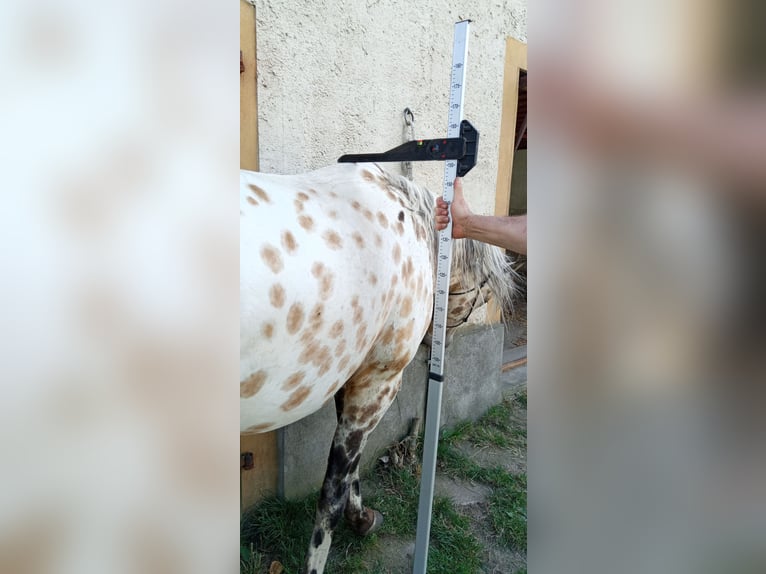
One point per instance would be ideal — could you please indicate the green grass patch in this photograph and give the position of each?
(278, 529)
(396, 498)
(508, 503)
(508, 511)
(453, 548)
(498, 427)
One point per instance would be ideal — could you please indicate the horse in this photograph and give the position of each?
(337, 275)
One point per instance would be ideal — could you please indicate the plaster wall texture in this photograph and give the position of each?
(334, 77)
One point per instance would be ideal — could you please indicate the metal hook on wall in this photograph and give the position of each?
(409, 135)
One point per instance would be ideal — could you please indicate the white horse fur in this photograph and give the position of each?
(337, 274)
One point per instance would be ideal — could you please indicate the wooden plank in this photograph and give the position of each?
(248, 89)
(515, 61)
(261, 480)
(514, 364)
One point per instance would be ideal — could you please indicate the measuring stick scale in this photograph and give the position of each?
(444, 261)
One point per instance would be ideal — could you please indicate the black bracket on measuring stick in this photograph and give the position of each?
(463, 149)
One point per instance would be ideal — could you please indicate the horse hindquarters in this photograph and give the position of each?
(360, 405)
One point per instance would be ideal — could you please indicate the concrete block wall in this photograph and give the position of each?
(472, 385)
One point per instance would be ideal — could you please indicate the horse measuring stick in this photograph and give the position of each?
(444, 260)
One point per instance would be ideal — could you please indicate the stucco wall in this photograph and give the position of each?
(334, 77)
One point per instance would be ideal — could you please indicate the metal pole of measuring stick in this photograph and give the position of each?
(444, 259)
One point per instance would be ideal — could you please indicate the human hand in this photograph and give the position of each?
(460, 211)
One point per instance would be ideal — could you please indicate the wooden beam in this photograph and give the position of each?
(261, 479)
(248, 89)
(515, 61)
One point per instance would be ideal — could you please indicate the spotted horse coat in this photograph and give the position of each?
(336, 293)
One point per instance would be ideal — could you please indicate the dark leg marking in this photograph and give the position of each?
(318, 537)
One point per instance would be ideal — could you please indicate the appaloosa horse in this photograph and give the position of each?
(336, 292)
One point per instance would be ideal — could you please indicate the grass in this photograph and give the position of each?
(498, 427)
(280, 529)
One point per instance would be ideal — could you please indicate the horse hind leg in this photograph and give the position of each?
(362, 520)
(363, 410)
(359, 410)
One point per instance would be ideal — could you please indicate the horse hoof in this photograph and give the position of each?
(377, 522)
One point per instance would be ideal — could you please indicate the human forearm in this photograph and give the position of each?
(508, 232)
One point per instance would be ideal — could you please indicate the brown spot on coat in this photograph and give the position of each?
(277, 295)
(373, 279)
(332, 239)
(361, 340)
(388, 336)
(325, 277)
(397, 254)
(252, 384)
(306, 222)
(288, 242)
(302, 196)
(378, 241)
(298, 205)
(367, 175)
(337, 329)
(405, 334)
(316, 317)
(294, 318)
(297, 397)
(267, 330)
(333, 389)
(382, 220)
(368, 214)
(358, 239)
(272, 258)
(343, 363)
(317, 269)
(309, 352)
(326, 285)
(324, 360)
(259, 193)
(407, 270)
(251, 200)
(406, 308)
(399, 228)
(293, 381)
(340, 347)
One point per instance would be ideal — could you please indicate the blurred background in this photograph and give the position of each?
(646, 197)
(646, 181)
(118, 385)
